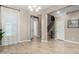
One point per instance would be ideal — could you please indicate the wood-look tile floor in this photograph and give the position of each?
(37, 47)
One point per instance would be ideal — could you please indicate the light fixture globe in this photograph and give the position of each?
(34, 8)
(39, 7)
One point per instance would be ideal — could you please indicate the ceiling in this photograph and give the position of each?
(25, 7)
(44, 8)
(66, 10)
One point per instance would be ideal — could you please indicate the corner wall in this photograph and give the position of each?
(72, 34)
(65, 33)
(25, 26)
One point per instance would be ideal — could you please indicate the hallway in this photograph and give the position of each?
(37, 47)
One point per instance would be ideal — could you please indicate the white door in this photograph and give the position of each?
(10, 25)
(36, 28)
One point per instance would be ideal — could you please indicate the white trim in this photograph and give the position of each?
(44, 41)
(72, 41)
(5, 44)
(58, 39)
(16, 43)
(69, 41)
(24, 41)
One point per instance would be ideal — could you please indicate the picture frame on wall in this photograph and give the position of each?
(73, 23)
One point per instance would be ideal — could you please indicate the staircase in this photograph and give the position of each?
(51, 27)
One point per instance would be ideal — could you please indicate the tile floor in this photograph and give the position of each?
(37, 47)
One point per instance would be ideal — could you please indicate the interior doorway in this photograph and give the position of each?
(51, 27)
(35, 28)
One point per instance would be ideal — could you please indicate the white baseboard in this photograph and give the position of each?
(24, 41)
(69, 41)
(16, 43)
(44, 41)
(72, 41)
(59, 39)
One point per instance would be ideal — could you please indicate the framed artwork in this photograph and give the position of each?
(73, 23)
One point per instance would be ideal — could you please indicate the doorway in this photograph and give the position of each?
(51, 27)
(35, 28)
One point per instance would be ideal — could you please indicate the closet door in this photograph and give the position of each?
(10, 21)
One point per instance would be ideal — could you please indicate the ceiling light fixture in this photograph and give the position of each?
(34, 8)
(37, 10)
(29, 7)
(58, 12)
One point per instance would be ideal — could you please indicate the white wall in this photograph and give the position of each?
(23, 29)
(10, 25)
(60, 28)
(25, 26)
(72, 34)
(0, 17)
